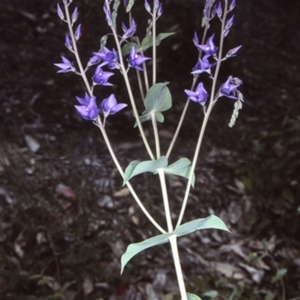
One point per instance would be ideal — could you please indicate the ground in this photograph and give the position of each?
(65, 219)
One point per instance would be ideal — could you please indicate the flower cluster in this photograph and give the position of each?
(212, 52)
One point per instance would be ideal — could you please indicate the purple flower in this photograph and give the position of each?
(75, 15)
(228, 26)
(110, 106)
(209, 48)
(203, 65)
(110, 58)
(147, 6)
(60, 12)
(68, 42)
(66, 66)
(219, 10)
(232, 5)
(77, 33)
(108, 15)
(228, 89)
(232, 52)
(101, 77)
(135, 59)
(199, 95)
(95, 59)
(128, 32)
(88, 108)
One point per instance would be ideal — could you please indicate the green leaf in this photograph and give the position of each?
(158, 98)
(134, 249)
(181, 167)
(158, 116)
(129, 6)
(127, 47)
(136, 167)
(199, 224)
(193, 297)
(279, 275)
(211, 294)
(147, 41)
(211, 222)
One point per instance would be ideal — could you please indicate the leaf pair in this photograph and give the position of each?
(211, 222)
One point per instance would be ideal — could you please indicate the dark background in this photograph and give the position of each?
(248, 175)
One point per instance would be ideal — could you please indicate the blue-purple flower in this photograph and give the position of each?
(199, 95)
(109, 58)
(128, 32)
(101, 77)
(60, 12)
(233, 51)
(110, 106)
(135, 60)
(228, 88)
(66, 66)
(88, 108)
(203, 65)
(108, 15)
(209, 48)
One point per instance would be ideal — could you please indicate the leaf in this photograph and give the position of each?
(158, 98)
(199, 224)
(279, 275)
(211, 294)
(158, 116)
(136, 167)
(193, 297)
(127, 47)
(181, 167)
(134, 249)
(211, 222)
(129, 6)
(147, 41)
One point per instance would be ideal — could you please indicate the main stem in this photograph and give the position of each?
(173, 238)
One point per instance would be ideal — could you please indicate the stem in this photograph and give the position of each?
(132, 191)
(212, 102)
(154, 45)
(156, 135)
(161, 174)
(128, 86)
(187, 101)
(176, 259)
(82, 72)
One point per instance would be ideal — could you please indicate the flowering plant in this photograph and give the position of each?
(156, 98)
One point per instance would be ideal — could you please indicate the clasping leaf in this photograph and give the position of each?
(136, 167)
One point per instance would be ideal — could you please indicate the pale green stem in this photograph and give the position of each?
(205, 120)
(154, 45)
(128, 86)
(176, 259)
(173, 238)
(132, 191)
(75, 51)
(156, 135)
(138, 75)
(195, 78)
(162, 179)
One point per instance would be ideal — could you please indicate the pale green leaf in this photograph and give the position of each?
(193, 297)
(136, 167)
(134, 249)
(211, 294)
(158, 116)
(127, 47)
(147, 41)
(279, 275)
(181, 167)
(211, 222)
(158, 98)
